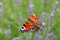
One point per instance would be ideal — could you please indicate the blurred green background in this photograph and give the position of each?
(15, 15)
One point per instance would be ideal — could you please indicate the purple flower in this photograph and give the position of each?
(43, 15)
(55, 5)
(50, 36)
(1, 3)
(19, 2)
(38, 36)
(17, 38)
(31, 6)
(1, 8)
(42, 26)
(30, 11)
(9, 32)
(1, 11)
(43, 23)
(51, 17)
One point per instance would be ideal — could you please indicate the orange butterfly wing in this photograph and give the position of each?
(27, 26)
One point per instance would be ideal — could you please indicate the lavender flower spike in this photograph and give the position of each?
(38, 37)
(17, 38)
(31, 6)
(51, 17)
(43, 15)
(9, 32)
(50, 36)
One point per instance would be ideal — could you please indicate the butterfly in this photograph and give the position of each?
(33, 24)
